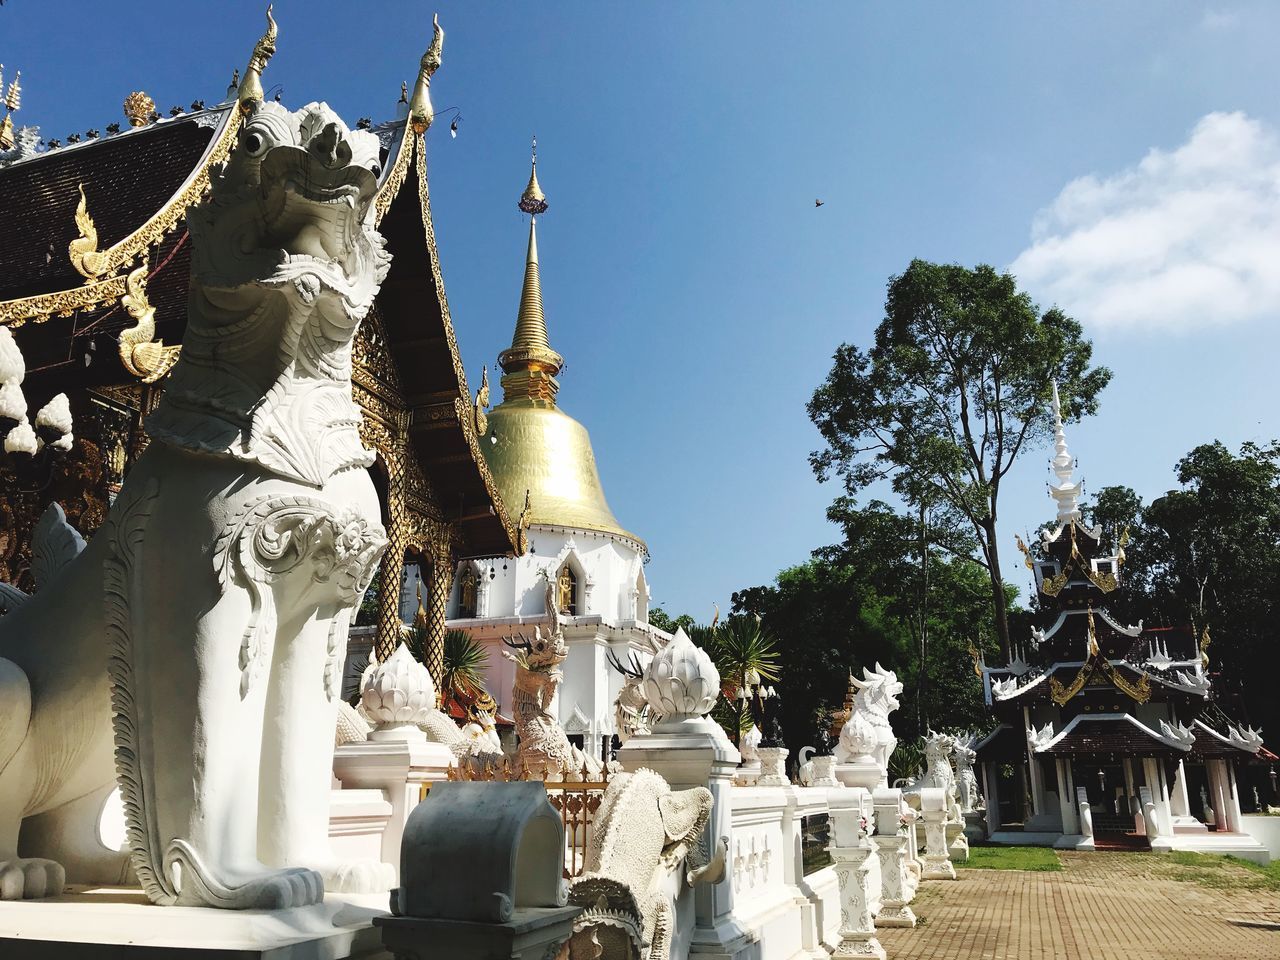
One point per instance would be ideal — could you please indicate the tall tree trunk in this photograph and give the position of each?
(999, 604)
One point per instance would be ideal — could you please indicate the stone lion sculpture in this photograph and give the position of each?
(868, 732)
(646, 834)
(210, 612)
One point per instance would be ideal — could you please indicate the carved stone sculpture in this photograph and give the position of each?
(867, 733)
(968, 795)
(646, 845)
(544, 750)
(210, 612)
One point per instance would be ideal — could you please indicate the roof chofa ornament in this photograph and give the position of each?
(420, 111)
(250, 91)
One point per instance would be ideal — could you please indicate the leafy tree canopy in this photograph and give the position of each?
(953, 391)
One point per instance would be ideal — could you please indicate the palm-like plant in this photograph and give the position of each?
(465, 661)
(744, 654)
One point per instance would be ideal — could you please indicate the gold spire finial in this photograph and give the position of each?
(250, 91)
(533, 201)
(12, 100)
(420, 111)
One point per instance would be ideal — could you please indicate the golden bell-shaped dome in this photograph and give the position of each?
(544, 451)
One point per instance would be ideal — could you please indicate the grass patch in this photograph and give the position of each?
(1040, 859)
(1220, 872)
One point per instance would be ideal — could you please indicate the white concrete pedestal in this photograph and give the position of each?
(773, 767)
(937, 859)
(398, 768)
(853, 852)
(120, 923)
(899, 874)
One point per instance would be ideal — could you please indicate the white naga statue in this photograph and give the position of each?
(206, 622)
(867, 732)
(545, 750)
(646, 845)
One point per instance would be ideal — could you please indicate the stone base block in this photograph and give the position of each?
(860, 948)
(902, 916)
(938, 871)
(120, 923)
(530, 934)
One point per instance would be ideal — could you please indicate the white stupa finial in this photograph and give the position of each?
(1064, 491)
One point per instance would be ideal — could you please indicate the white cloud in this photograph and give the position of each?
(1186, 238)
(1220, 19)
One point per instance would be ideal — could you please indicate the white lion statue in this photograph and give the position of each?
(868, 732)
(210, 612)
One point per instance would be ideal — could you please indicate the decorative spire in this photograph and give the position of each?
(250, 91)
(420, 110)
(12, 101)
(1064, 491)
(533, 201)
(530, 365)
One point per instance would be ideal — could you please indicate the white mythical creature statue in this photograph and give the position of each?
(194, 649)
(645, 846)
(938, 774)
(967, 793)
(544, 749)
(867, 732)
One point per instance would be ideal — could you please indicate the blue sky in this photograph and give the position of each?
(1126, 157)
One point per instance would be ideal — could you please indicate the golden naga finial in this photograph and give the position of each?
(83, 250)
(420, 111)
(522, 525)
(250, 91)
(144, 357)
(1026, 554)
(715, 619)
(1204, 647)
(482, 403)
(976, 655)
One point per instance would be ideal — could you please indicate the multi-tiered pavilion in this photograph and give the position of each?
(1111, 730)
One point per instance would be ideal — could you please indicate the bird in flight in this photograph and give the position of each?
(818, 203)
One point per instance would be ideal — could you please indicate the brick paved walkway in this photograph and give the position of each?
(1102, 906)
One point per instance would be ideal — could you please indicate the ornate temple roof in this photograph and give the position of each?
(65, 272)
(534, 449)
(1118, 734)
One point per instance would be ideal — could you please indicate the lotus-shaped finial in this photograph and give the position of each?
(681, 681)
(397, 695)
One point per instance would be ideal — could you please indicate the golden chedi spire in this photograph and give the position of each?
(539, 455)
(529, 364)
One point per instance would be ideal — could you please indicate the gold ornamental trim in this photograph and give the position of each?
(92, 263)
(1062, 694)
(396, 176)
(462, 403)
(62, 303)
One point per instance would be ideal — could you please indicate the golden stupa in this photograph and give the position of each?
(534, 449)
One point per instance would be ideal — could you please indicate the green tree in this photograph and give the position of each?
(953, 391)
(664, 621)
(857, 603)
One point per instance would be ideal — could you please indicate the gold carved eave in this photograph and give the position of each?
(93, 263)
(396, 175)
(99, 288)
(63, 303)
(462, 403)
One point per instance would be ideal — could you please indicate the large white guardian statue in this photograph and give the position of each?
(207, 621)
